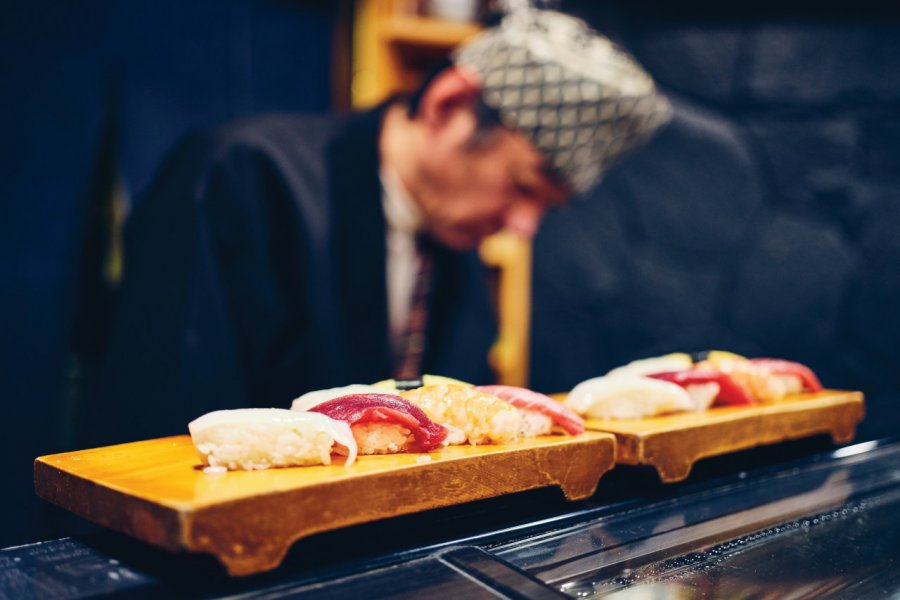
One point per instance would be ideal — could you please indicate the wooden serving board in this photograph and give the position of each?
(156, 491)
(673, 443)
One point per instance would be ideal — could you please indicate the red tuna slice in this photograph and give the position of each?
(526, 399)
(730, 393)
(385, 408)
(778, 366)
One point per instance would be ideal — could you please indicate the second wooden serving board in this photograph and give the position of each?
(673, 443)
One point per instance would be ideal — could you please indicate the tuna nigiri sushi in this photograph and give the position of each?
(384, 423)
(469, 415)
(709, 388)
(310, 399)
(540, 412)
(259, 438)
(766, 380)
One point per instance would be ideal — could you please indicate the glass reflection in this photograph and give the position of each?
(826, 529)
(849, 552)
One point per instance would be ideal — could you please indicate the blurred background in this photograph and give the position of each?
(765, 219)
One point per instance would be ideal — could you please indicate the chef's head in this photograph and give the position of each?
(527, 114)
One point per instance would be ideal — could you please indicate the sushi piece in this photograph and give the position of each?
(310, 399)
(718, 378)
(767, 380)
(259, 438)
(384, 423)
(719, 387)
(468, 414)
(629, 397)
(778, 367)
(540, 412)
(677, 361)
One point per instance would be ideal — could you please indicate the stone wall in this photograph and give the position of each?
(765, 219)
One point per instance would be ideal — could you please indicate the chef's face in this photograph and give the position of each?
(490, 181)
(478, 180)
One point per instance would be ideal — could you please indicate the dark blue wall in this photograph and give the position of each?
(168, 66)
(765, 219)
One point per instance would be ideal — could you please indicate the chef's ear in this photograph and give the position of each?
(454, 88)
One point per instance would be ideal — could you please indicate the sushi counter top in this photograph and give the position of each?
(479, 549)
(159, 492)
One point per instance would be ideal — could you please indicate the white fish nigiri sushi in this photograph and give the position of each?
(259, 438)
(677, 361)
(316, 397)
(628, 397)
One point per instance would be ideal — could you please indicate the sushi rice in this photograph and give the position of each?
(535, 423)
(382, 438)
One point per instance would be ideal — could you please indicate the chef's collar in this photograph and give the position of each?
(400, 210)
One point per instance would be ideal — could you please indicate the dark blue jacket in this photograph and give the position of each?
(255, 271)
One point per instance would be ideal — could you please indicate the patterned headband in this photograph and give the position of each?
(579, 98)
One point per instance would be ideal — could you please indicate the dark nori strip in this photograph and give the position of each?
(699, 356)
(408, 384)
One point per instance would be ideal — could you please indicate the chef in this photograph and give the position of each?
(281, 254)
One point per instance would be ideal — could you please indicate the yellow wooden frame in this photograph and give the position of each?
(393, 46)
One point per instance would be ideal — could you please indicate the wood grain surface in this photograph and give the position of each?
(156, 491)
(673, 443)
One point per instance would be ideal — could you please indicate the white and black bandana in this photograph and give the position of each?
(579, 98)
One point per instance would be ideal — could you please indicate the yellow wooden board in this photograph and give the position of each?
(156, 491)
(673, 443)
